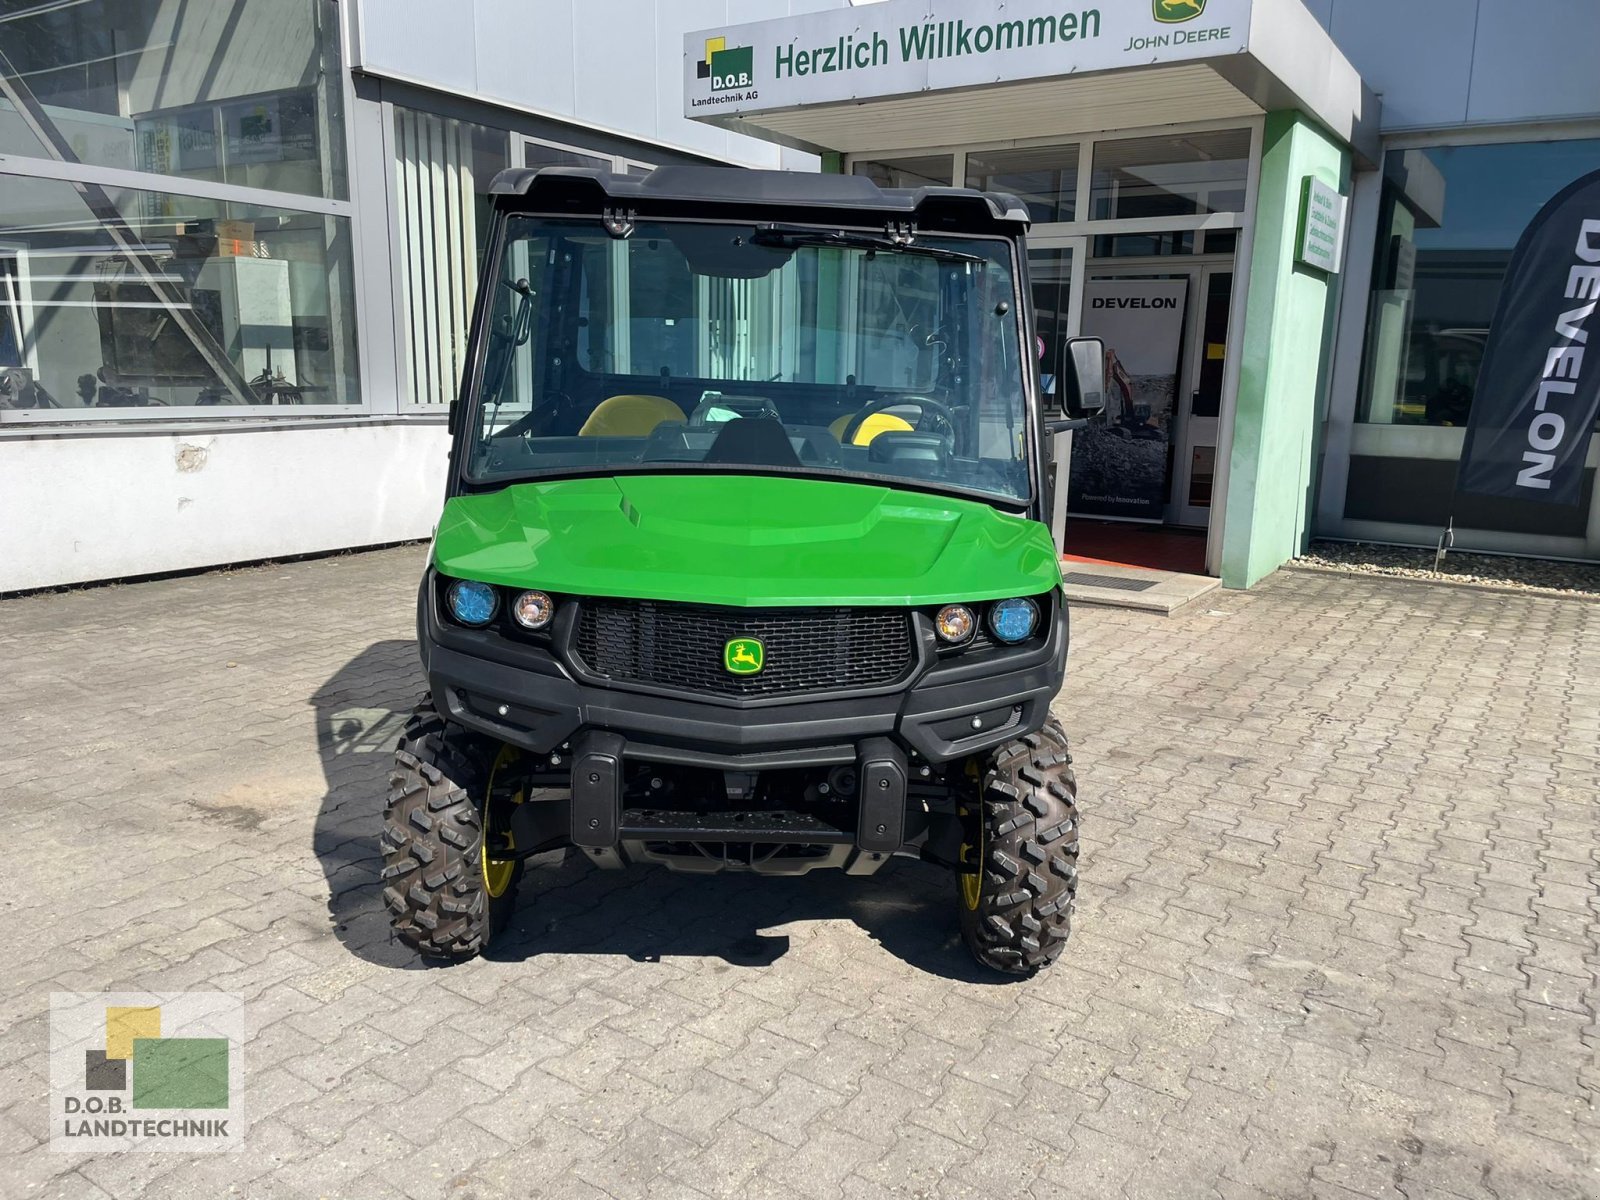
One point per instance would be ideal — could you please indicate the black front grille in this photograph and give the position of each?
(680, 646)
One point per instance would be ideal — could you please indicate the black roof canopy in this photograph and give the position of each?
(738, 194)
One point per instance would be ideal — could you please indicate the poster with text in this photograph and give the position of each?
(1120, 464)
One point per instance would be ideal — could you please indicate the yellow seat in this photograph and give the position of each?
(630, 416)
(878, 422)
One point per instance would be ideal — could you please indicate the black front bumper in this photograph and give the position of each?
(525, 694)
(612, 835)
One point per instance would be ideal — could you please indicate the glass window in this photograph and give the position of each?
(112, 298)
(1165, 244)
(1176, 175)
(11, 291)
(899, 303)
(1045, 178)
(544, 154)
(932, 171)
(611, 355)
(1050, 276)
(443, 169)
(247, 93)
(1450, 218)
(1168, 243)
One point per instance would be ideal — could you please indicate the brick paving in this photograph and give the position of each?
(1338, 931)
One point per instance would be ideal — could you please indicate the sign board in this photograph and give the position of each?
(1120, 464)
(1405, 264)
(905, 47)
(1320, 243)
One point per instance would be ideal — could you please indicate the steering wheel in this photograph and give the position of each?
(933, 417)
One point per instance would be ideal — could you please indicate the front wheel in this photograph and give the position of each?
(449, 872)
(1022, 830)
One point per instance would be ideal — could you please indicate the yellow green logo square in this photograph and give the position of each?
(744, 655)
(177, 1072)
(125, 1025)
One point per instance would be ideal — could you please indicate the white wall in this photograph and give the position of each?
(614, 64)
(104, 505)
(1457, 62)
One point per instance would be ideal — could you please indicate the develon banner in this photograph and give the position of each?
(1537, 394)
(1120, 463)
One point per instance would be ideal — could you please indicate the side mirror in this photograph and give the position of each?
(1081, 377)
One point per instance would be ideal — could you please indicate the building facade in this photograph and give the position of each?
(1174, 154)
(238, 240)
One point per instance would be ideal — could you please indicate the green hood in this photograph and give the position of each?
(743, 540)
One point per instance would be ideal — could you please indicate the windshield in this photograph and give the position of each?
(691, 346)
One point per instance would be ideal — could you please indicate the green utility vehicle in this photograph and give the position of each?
(743, 563)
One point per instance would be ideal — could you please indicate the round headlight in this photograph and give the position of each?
(955, 624)
(1013, 620)
(471, 602)
(533, 610)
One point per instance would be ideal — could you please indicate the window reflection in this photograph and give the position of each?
(113, 298)
(930, 171)
(1045, 178)
(1180, 175)
(1163, 244)
(547, 154)
(247, 92)
(1050, 277)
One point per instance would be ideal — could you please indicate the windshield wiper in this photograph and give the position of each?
(790, 237)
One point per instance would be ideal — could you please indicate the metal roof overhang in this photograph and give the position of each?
(1286, 61)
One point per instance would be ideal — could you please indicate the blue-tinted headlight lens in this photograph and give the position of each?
(471, 602)
(1013, 620)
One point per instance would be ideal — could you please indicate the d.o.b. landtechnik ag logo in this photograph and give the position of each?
(145, 1071)
(727, 68)
(730, 73)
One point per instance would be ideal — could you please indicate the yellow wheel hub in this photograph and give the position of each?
(497, 872)
(972, 884)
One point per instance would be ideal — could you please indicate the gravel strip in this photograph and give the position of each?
(1522, 574)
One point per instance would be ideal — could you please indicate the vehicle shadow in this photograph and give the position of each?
(567, 906)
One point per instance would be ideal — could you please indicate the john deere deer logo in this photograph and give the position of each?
(1172, 12)
(743, 656)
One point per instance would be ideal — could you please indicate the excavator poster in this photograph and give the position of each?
(1121, 464)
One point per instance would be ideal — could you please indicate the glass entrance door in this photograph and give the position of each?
(1122, 464)
(1195, 463)
(1164, 388)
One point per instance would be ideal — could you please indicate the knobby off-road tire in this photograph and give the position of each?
(1016, 913)
(435, 882)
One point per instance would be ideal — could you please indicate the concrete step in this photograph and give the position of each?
(1163, 592)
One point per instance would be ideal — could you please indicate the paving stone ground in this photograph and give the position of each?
(1338, 932)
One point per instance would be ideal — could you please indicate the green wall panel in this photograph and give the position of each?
(1283, 361)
